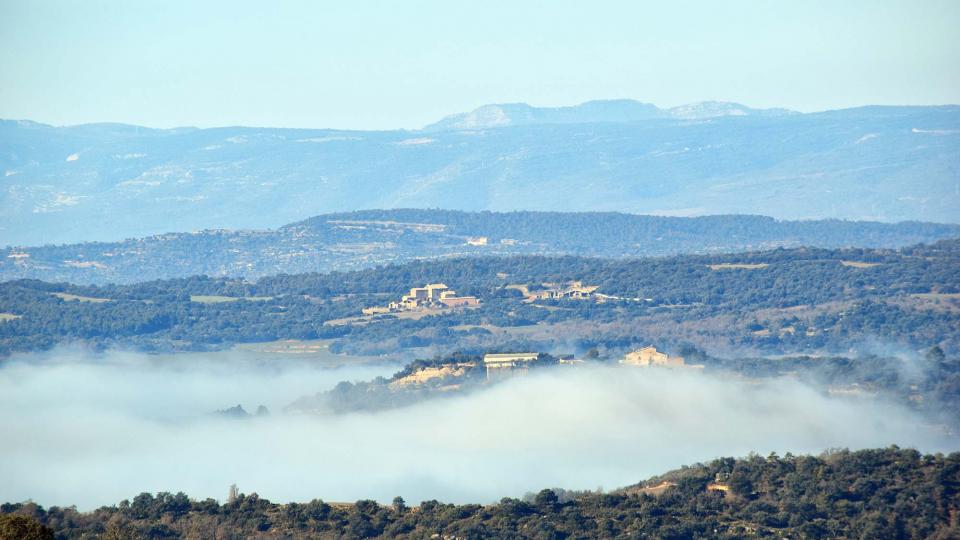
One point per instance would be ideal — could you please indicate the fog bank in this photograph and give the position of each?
(93, 430)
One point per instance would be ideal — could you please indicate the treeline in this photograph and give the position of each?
(617, 234)
(651, 294)
(794, 276)
(868, 494)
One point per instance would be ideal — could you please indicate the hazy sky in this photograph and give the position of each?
(404, 64)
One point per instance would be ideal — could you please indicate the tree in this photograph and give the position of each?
(118, 531)
(936, 357)
(399, 505)
(14, 527)
(546, 499)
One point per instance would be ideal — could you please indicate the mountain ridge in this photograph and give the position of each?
(363, 239)
(607, 110)
(675, 112)
(108, 181)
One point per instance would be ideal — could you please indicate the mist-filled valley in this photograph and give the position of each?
(460, 271)
(474, 397)
(91, 430)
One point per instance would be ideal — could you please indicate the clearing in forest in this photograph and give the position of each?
(858, 264)
(77, 297)
(737, 266)
(216, 299)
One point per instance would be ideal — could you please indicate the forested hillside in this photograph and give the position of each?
(784, 300)
(868, 494)
(364, 239)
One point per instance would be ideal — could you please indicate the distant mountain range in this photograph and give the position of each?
(368, 238)
(111, 181)
(614, 110)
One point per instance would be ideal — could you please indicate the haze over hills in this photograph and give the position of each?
(372, 237)
(110, 181)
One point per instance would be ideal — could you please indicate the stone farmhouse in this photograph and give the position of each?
(650, 357)
(504, 365)
(432, 295)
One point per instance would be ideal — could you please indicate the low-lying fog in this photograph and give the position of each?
(93, 430)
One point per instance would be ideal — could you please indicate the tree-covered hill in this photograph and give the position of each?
(364, 239)
(867, 494)
(785, 300)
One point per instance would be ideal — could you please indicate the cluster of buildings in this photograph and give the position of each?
(432, 295)
(556, 291)
(438, 295)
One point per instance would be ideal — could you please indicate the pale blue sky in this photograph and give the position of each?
(357, 64)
